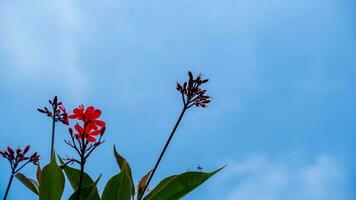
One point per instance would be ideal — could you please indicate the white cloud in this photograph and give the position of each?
(261, 178)
(39, 41)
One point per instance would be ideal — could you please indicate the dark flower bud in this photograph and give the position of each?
(41, 110)
(71, 132)
(179, 87)
(205, 80)
(26, 149)
(3, 154)
(18, 151)
(103, 130)
(35, 158)
(190, 75)
(20, 155)
(9, 149)
(55, 99)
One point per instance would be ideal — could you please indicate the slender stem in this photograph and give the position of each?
(53, 129)
(82, 163)
(8, 185)
(163, 151)
(15, 172)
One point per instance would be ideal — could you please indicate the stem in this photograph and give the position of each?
(53, 130)
(163, 151)
(82, 163)
(8, 185)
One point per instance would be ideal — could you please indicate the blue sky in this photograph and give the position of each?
(281, 75)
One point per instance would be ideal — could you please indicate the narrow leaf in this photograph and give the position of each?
(177, 186)
(38, 174)
(142, 183)
(29, 183)
(52, 181)
(121, 161)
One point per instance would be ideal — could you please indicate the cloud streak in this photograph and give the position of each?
(42, 37)
(262, 178)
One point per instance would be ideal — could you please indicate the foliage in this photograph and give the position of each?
(85, 136)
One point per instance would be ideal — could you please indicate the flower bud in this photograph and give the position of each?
(26, 149)
(103, 130)
(9, 149)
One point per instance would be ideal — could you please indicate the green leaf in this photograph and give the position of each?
(177, 186)
(29, 183)
(73, 178)
(119, 187)
(121, 161)
(52, 181)
(87, 192)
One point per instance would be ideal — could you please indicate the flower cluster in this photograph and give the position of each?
(91, 123)
(15, 157)
(84, 135)
(59, 112)
(191, 91)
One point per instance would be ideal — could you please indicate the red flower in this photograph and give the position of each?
(88, 134)
(90, 118)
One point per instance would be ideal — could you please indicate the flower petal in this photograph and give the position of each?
(91, 139)
(96, 114)
(94, 133)
(79, 128)
(99, 123)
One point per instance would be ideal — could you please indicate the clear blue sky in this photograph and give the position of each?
(282, 74)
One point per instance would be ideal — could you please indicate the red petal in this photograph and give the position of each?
(89, 109)
(88, 128)
(77, 110)
(96, 114)
(91, 139)
(99, 123)
(73, 116)
(79, 128)
(96, 132)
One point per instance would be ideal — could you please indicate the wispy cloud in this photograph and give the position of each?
(40, 42)
(262, 178)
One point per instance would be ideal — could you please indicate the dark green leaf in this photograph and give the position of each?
(177, 186)
(121, 161)
(52, 181)
(119, 187)
(29, 183)
(73, 178)
(86, 192)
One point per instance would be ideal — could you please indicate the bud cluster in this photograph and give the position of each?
(15, 157)
(192, 94)
(58, 111)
